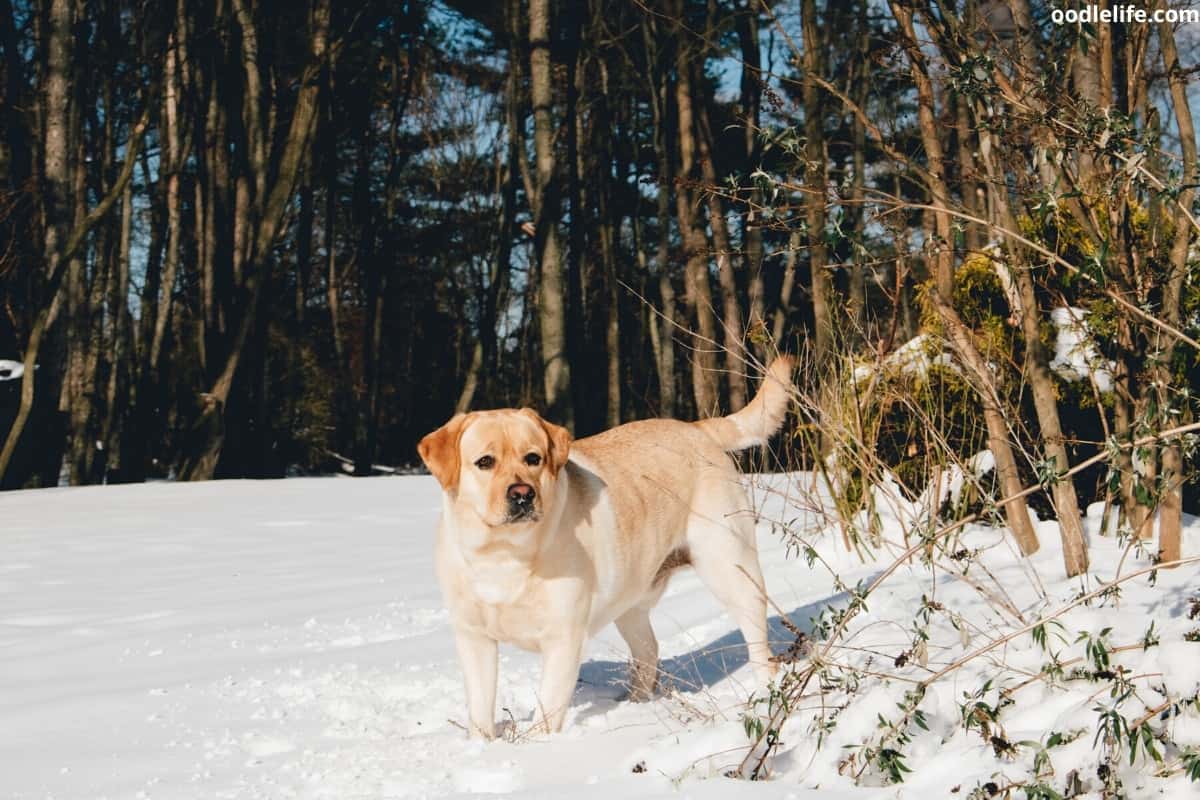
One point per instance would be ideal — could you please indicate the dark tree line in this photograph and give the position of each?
(244, 238)
(250, 237)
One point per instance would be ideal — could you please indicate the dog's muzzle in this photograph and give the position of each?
(521, 497)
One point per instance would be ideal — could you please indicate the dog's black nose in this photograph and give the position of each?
(521, 494)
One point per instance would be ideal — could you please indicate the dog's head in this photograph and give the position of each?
(501, 465)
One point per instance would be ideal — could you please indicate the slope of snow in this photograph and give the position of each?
(287, 639)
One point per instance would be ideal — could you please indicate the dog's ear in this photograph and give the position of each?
(439, 451)
(560, 444)
(560, 440)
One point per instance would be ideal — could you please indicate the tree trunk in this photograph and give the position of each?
(172, 163)
(56, 176)
(858, 195)
(16, 134)
(731, 322)
(1037, 370)
(751, 103)
(117, 391)
(666, 322)
(74, 400)
(662, 325)
(610, 223)
(1066, 503)
(370, 284)
(208, 430)
(815, 185)
(607, 134)
(1016, 511)
(1171, 507)
(60, 246)
(698, 290)
(975, 238)
(552, 308)
(786, 288)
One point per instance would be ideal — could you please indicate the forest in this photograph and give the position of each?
(250, 239)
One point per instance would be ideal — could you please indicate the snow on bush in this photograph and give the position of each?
(963, 670)
(1075, 354)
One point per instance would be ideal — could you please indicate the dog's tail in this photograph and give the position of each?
(755, 423)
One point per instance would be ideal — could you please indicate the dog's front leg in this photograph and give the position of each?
(478, 654)
(560, 672)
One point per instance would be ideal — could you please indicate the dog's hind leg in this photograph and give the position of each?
(634, 627)
(724, 556)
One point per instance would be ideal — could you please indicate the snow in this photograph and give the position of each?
(955, 478)
(911, 358)
(1179, 663)
(1075, 354)
(287, 639)
(11, 370)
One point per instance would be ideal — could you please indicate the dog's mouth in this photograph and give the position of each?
(520, 514)
(522, 505)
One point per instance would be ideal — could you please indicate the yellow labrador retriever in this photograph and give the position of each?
(544, 541)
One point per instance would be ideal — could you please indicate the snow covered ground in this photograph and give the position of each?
(287, 639)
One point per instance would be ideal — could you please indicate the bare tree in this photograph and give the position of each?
(698, 289)
(552, 309)
(270, 201)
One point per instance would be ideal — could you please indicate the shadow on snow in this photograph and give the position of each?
(603, 683)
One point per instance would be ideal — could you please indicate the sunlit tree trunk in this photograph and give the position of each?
(552, 308)
(1171, 506)
(1016, 511)
(170, 166)
(1041, 383)
(698, 289)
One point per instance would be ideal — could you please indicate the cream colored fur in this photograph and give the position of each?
(615, 514)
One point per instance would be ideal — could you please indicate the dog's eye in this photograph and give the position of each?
(533, 459)
(485, 462)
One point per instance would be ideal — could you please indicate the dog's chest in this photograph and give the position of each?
(499, 583)
(499, 602)
(513, 623)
